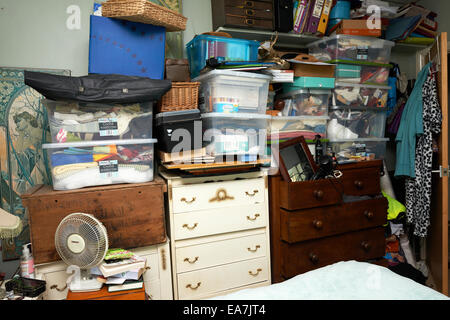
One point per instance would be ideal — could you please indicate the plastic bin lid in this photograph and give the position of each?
(222, 39)
(297, 118)
(241, 74)
(363, 108)
(97, 143)
(352, 37)
(169, 114)
(305, 91)
(370, 86)
(360, 140)
(236, 115)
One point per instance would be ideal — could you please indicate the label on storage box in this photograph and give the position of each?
(359, 149)
(362, 53)
(108, 127)
(108, 168)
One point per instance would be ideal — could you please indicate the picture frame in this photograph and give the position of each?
(296, 161)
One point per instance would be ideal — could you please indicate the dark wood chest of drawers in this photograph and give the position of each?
(317, 223)
(257, 14)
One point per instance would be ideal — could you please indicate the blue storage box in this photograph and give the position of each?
(203, 47)
(127, 48)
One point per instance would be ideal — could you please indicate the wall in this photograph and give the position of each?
(34, 34)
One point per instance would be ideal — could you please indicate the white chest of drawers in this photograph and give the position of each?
(157, 277)
(219, 231)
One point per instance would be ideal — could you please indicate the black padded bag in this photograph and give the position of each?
(99, 88)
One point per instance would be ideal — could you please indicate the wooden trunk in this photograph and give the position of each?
(133, 214)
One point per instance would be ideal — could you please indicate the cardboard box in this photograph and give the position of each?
(356, 28)
(127, 48)
(313, 70)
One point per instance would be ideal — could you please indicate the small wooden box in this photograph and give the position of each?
(133, 214)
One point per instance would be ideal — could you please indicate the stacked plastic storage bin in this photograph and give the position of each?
(358, 107)
(305, 111)
(232, 103)
(99, 144)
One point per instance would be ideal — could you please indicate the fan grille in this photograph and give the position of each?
(91, 231)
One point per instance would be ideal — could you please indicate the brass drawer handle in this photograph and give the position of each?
(221, 195)
(255, 217)
(251, 194)
(254, 250)
(314, 258)
(366, 245)
(250, 12)
(193, 288)
(368, 214)
(147, 268)
(188, 202)
(359, 184)
(250, 22)
(190, 228)
(249, 4)
(318, 194)
(191, 262)
(58, 289)
(255, 273)
(318, 224)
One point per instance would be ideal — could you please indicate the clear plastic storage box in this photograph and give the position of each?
(93, 163)
(346, 123)
(307, 126)
(306, 102)
(233, 91)
(363, 74)
(203, 47)
(359, 149)
(235, 134)
(358, 95)
(76, 121)
(355, 48)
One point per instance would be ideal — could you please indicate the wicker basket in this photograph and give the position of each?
(182, 96)
(144, 11)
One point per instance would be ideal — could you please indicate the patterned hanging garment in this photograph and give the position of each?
(419, 189)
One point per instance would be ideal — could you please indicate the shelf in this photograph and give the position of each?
(294, 40)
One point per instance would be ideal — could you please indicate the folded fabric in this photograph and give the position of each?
(92, 177)
(60, 171)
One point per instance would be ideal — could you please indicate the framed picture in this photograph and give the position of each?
(296, 161)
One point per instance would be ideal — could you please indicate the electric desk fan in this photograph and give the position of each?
(81, 240)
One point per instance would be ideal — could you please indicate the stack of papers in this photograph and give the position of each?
(280, 75)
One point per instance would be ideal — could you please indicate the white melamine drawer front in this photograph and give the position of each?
(216, 253)
(153, 289)
(217, 195)
(152, 271)
(207, 222)
(195, 284)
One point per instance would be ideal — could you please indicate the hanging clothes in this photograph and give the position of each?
(419, 189)
(411, 126)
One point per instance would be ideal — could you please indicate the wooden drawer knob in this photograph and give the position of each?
(314, 258)
(318, 194)
(250, 12)
(368, 214)
(318, 224)
(365, 245)
(359, 184)
(249, 22)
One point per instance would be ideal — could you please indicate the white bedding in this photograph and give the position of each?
(350, 280)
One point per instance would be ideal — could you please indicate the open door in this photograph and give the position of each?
(437, 238)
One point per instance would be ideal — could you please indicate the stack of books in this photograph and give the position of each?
(311, 16)
(121, 273)
(413, 24)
